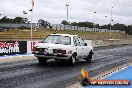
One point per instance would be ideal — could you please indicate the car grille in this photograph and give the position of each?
(55, 51)
(59, 51)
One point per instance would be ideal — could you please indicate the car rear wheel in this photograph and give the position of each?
(42, 60)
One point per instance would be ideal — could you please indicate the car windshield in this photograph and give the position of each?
(58, 39)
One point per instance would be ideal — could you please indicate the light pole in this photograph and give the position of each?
(105, 22)
(31, 10)
(106, 16)
(0, 14)
(94, 21)
(67, 11)
(71, 19)
(111, 20)
(24, 13)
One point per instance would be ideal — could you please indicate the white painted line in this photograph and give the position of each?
(17, 55)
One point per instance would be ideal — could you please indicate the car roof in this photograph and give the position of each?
(65, 35)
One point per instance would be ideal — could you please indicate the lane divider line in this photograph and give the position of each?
(117, 69)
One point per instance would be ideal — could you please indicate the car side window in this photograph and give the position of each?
(76, 42)
(81, 41)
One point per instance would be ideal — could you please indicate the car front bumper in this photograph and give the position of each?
(53, 56)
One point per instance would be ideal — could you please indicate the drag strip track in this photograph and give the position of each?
(29, 74)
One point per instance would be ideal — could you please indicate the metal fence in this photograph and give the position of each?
(69, 27)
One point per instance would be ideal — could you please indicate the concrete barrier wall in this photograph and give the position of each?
(115, 42)
(25, 47)
(94, 43)
(13, 47)
(30, 45)
(98, 43)
(16, 47)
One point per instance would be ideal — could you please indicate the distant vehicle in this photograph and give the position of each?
(66, 47)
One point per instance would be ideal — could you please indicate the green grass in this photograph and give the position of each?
(42, 33)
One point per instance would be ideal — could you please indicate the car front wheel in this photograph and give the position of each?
(89, 57)
(42, 60)
(72, 60)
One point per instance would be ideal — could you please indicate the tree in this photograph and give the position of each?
(105, 26)
(44, 24)
(15, 20)
(5, 20)
(83, 24)
(64, 22)
(96, 25)
(20, 20)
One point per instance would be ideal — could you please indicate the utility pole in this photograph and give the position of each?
(111, 20)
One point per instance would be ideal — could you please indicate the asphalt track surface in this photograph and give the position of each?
(30, 74)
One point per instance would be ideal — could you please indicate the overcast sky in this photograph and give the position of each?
(54, 11)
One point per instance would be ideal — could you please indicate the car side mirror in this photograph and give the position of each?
(86, 44)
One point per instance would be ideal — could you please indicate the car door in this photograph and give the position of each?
(77, 47)
(85, 50)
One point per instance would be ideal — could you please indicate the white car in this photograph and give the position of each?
(66, 47)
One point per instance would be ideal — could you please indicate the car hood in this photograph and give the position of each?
(50, 45)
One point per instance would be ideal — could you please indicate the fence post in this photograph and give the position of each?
(64, 27)
(74, 28)
(56, 27)
(60, 27)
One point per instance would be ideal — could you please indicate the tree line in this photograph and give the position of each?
(14, 20)
(45, 24)
(41, 23)
(117, 26)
